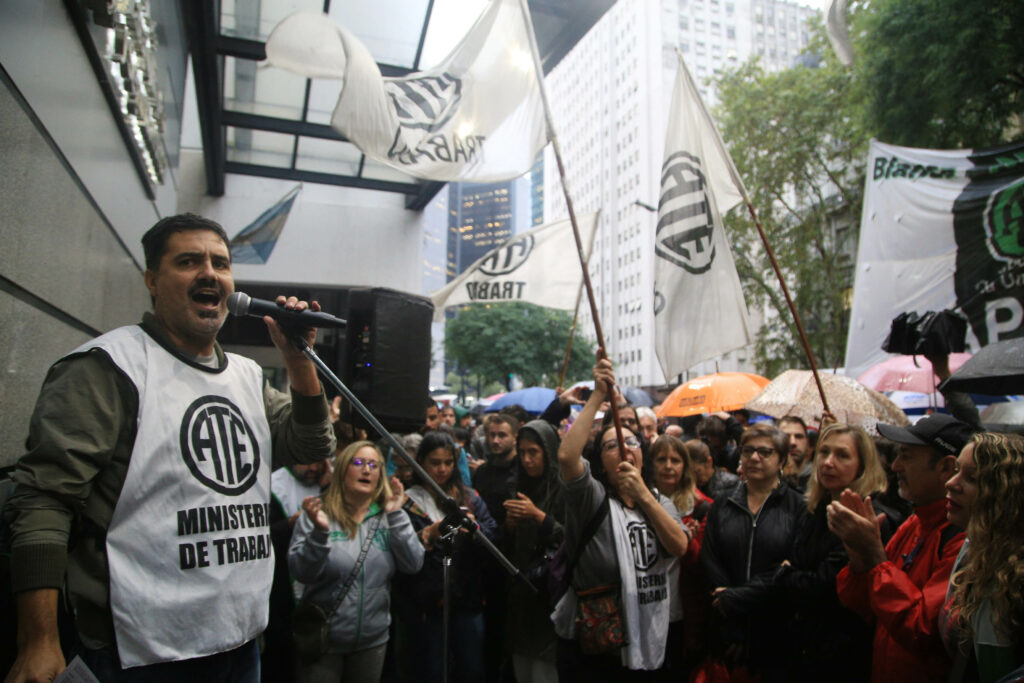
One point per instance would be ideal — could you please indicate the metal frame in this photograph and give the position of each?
(561, 25)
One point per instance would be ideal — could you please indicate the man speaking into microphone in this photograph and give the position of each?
(147, 481)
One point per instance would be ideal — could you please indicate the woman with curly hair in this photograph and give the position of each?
(622, 538)
(984, 616)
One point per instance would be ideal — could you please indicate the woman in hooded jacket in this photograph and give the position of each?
(534, 517)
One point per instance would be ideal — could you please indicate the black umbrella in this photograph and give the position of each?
(996, 370)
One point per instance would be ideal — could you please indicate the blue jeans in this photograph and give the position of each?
(241, 665)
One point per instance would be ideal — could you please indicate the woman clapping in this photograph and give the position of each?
(359, 516)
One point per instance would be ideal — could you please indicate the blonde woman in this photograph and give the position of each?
(360, 509)
(987, 496)
(824, 636)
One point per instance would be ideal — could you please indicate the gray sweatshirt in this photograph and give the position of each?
(323, 560)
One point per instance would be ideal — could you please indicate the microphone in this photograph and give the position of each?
(241, 303)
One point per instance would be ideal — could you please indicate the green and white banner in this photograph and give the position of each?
(940, 229)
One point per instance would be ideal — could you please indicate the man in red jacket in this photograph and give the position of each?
(901, 587)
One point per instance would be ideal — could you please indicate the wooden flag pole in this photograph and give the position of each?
(601, 351)
(767, 246)
(789, 301)
(568, 348)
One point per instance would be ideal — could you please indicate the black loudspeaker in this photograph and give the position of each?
(387, 356)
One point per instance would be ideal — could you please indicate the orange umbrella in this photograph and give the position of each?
(711, 393)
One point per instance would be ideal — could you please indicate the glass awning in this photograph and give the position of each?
(272, 123)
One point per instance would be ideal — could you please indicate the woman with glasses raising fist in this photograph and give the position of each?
(622, 540)
(749, 534)
(345, 550)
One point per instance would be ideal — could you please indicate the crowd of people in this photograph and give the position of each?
(710, 550)
(196, 524)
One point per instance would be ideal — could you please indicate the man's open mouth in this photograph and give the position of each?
(206, 297)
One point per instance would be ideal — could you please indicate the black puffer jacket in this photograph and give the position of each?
(823, 635)
(739, 548)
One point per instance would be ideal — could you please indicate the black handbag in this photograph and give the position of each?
(311, 622)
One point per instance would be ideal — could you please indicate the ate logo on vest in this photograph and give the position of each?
(685, 232)
(219, 446)
(644, 544)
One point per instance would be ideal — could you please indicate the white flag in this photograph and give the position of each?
(838, 33)
(538, 267)
(699, 310)
(478, 116)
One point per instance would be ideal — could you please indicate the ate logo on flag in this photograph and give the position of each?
(425, 103)
(506, 259)
(685, 231)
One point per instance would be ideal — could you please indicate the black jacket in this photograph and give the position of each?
(824, 635)
(740, 548)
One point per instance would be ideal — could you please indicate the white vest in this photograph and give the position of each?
(289, 491)
(189, 542)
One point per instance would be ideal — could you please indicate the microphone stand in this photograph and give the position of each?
(455, 518)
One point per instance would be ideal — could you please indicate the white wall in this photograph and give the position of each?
(334, 236)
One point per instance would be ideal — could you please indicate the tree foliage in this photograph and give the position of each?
(928, 73)
(499, 339)
(796, 139)
(942, 73)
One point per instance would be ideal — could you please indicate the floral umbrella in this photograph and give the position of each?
(794, 392)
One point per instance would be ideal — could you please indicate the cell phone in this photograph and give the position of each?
(585, 393)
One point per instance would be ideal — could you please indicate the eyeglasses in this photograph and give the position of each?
(359, 463)
(630, 441)
(763, 451)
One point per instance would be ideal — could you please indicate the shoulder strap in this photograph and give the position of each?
(359, 563)
(588, 533)
(946, 535)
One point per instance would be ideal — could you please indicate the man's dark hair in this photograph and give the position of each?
(154, 242)
(710, 425)
(516, 411)
(607, 420)
(794, 419)
(504, 418)
(462, 435)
